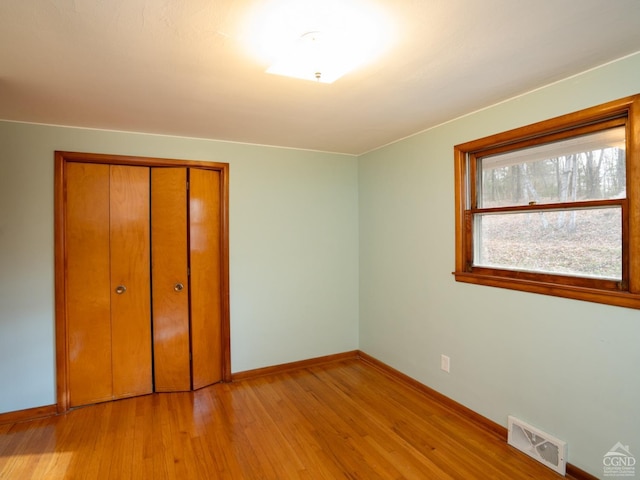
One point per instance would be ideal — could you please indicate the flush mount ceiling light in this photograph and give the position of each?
(312, 57)
(318, 40)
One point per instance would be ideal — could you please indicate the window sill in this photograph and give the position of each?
(616, 298)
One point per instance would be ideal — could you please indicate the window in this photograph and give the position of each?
(554, 207)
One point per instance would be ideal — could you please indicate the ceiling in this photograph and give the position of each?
(182, 67)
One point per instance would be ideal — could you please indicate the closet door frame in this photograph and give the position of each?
(61, 159)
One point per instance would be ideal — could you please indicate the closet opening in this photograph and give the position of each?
(141, 275)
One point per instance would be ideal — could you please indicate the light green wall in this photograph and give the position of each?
(565, 366)
(293, 250)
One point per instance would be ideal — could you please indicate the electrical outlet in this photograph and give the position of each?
(444, 363)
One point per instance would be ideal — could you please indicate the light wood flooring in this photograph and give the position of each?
(344, 420)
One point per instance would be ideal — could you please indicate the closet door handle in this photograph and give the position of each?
(178, 287)
(120, 289)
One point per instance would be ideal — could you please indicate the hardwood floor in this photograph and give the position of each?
(344, 420)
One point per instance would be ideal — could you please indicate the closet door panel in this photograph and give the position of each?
(205, 263)
(130, 281)
(169, 278)
(87, 286)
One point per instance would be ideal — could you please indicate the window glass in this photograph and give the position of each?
(579, 242)
(588, 167)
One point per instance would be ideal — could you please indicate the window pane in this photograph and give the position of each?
(589, 167)
(567, 242)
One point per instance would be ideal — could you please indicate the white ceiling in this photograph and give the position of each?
(179, 67)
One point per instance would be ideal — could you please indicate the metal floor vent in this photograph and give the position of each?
(539, 445)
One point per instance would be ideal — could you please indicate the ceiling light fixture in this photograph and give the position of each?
(318, 40)
(312, 57)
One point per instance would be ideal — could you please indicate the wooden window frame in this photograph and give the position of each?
(625, 293)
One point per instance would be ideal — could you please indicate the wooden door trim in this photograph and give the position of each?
(61, 158)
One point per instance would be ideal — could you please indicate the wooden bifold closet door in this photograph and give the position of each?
(141, 278)
(170, 280)
(185, 219)
(109, 315)
(205, 261)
